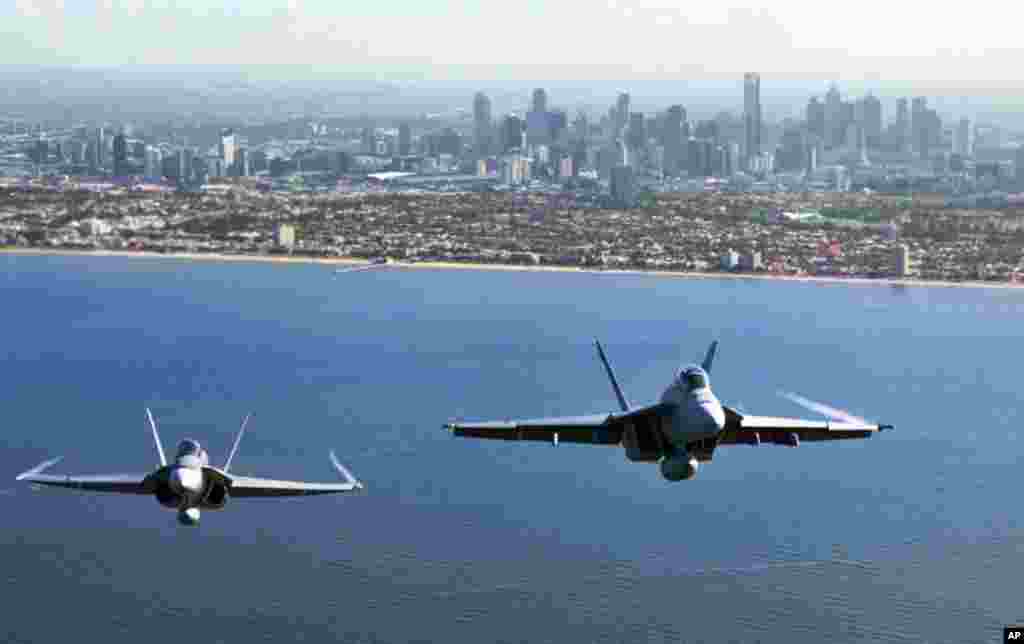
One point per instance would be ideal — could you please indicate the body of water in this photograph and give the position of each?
(914, 535)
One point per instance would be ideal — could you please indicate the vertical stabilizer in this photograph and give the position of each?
(709, 359)
(234, 447)
(611, 376)
(156, 438)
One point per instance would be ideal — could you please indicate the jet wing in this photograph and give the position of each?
(595, 429)
(123, 483)
(743, 429)
(242, 487)
(249, 487)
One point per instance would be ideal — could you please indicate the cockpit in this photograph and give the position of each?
(692, 379)
(189, 447)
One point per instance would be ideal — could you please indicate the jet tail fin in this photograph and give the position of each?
(156, 438)
(234, 448)
(709, 359)
(611, 376)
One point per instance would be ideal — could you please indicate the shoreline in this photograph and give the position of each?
(449, 265)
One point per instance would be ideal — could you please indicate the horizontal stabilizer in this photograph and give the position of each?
(38, 468)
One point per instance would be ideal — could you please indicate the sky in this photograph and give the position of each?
(459, 40)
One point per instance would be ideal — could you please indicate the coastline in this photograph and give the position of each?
(442, 265)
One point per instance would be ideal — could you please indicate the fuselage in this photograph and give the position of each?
(698, 413)
(187, 481)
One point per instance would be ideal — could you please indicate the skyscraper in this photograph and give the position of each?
(903, 124)
(404, 139)
(636, 136)
(672, 139)
(154, 162)
(184, 165)
(242, 165)
(752, 114)
(120, 154)
(833, 118)
(540, 100)
(512, 133)
(816, 118)
(621, 113)
(622, 190)
(963, 145)
(871, 124)
(919, 125)
(100, 145)
(228, 147)
(481, 125)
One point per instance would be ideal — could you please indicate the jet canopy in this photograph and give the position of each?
(188, 447)
(693, 378)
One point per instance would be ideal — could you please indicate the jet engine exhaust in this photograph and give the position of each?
(189, 516)
(679, 468)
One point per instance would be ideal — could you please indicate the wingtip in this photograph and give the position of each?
(38, 468)
(883, 428)
(344, 471)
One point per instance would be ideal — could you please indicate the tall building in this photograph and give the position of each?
(622, 190)
(833, 118)
(100, 149)
(871, 120)
(902, 125)
(751, 115)
(580, 127)
(184, 165)
(368, 140)
(540, 100)
(538, 128)
(621, 114)
(672, 139)
(792, 150)
(636, 134)
(816, 118)
(927, 132)
(481, 125)
(120, 154)
(962, 144)
(1018, 166)
(919, 126)
(512, 128)
(228, 147)
(154, 162)
(404, 140)
(242, 163)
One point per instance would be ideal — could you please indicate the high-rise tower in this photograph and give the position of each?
(751, 114)
(481, 125)
(833, 118)
(228, 147)
(540, 100)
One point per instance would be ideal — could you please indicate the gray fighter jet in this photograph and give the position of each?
(681, 430)
(190, 484)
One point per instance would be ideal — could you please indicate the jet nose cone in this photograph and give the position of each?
(185, 480)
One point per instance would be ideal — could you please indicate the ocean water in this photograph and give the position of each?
(913, 535)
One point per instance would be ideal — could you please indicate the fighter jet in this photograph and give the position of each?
(681, 430)
(190, 484)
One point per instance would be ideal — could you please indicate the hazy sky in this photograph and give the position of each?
(975, 42)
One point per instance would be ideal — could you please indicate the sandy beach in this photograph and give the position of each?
(351, 261)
